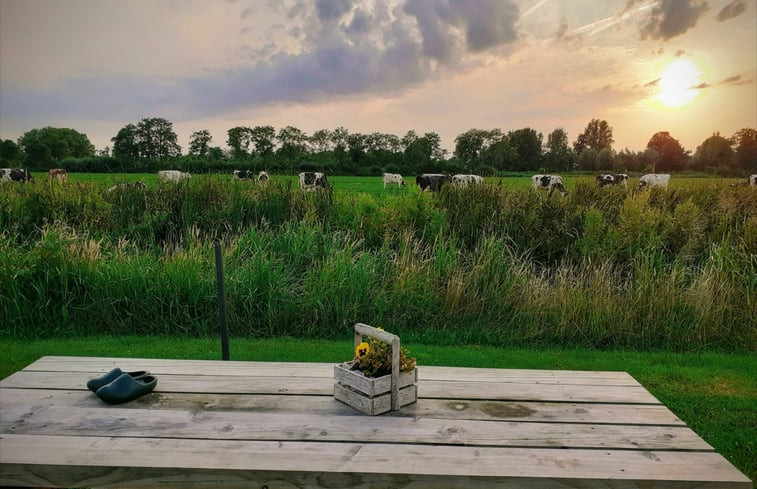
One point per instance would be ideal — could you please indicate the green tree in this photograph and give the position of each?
(527, 142)
(199, 143)
(558, 155)
(125, 147)
(470, 145)
(320, 141)
(239, 141)
(264, 140)
(745, 141)
(44, 147)
(156, 139)
(715, 151)
(588, 160)
(291, 144)
(672, 156)
(339, 141)
(597, 136)
(10, 154)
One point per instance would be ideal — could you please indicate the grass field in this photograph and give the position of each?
(714, 393)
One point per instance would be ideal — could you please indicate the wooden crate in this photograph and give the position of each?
(378, 395)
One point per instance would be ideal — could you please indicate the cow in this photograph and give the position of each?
(172, 176)
(393, 178)
(263, 177)
(15, 175)
(432, 182)
(57, 174)
(548, 182)
(753, 180)
(244, 175)
(612, 179)
(465, 180)
(310, 181)
(654, 180)
(127, 185)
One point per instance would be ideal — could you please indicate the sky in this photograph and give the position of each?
(688, 67)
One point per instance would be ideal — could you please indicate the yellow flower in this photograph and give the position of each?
(362, 349)
(380, 328)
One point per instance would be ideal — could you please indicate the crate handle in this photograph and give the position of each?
(394, 340)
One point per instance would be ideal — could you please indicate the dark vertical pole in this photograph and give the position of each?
(221, 303)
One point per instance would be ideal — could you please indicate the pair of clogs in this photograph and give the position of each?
(117, 387)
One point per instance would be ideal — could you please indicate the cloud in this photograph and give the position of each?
(653, 83)
(679, 53)
(733, 9)
(671, 18)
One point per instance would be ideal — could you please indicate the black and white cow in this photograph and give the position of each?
(15, 175)
(654, 180)
(609, 179)
(465, 180)
(244, 175)
(263, 177)
(57, 174)
(127, 185)
(173, 176)
(432, 182)
(548, 182)
(753, 180)
(393, 178)
(310, 181)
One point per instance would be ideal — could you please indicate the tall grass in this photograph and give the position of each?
(488, 264)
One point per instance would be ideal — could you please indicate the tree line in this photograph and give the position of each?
(151, 145)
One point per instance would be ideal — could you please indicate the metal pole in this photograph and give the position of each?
(221, 303)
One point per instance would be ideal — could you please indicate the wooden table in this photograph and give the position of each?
(276, 425)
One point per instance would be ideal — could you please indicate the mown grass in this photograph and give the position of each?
(714, 393)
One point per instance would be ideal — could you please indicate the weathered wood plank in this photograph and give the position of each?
(572, 468)
(324, 386)
(15, 402)
(95, 366)
(239, 425)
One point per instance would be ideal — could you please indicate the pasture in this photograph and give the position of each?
(494, 264)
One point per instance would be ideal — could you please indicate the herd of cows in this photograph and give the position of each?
(427, 182)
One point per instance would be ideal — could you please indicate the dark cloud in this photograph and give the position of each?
(732, 79)
(701, 86)
(733, 9)
(332, 10)
(671, 18)
(360, 24)
(679, 53)
(653, 83)
(433, 18)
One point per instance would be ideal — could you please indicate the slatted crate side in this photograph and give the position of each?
(369, 386)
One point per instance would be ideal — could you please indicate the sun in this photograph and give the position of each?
(678, 82)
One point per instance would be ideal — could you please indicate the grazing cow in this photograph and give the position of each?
(548, 182)
(465, 180)
(127, 185)
(393, 178)
(15, 175)
(263, 177)
(244, 175)
(654, 180)
(310, 181)
(612, 179)
(172, 176)
(753, 180)
(432, 182)
(57, 174)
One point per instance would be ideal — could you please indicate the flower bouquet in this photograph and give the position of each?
(381, 377)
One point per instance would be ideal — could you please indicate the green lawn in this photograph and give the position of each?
(714, 393)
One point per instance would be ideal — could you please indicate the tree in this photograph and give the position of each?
(125, 147)
(339, 140)
(672, 156)
(422, 153)
(10, 154)
(199, 143)
(527, 142)
(239, 141)
(320, 141)
(597, 136)
(291, 143)
(714, 152)
(469, 146)
(44, 147)
(558, 155)
(264, 140)
(745, 141)
(156, 139)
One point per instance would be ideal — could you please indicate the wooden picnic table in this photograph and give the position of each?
(277, 425)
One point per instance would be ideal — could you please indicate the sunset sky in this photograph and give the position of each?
(684, 66)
